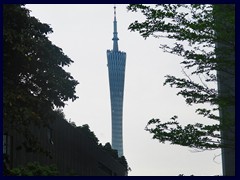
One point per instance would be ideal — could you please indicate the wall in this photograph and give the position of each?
(72, 151)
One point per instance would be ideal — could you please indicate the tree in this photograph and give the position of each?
(114, 153)
(123, 161)
(204, 35)
(108, 148)
(90, 134)
(34, 81)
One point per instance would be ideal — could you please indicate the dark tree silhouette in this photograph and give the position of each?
(34, 81)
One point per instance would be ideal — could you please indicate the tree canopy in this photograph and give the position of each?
(34, 81)
(90, 134)
(204, 35)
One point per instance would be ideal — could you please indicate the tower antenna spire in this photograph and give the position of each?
(114, 10)
(115, 34)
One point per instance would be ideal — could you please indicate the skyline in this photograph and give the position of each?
(145, 97)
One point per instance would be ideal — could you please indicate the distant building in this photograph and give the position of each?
(116, 70)
(71, 149)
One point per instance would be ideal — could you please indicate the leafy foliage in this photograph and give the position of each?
(90, 134)
(34, 169)
(34, 81)
(108, 148)
(192, 135)
(123, 161)
(204, 35)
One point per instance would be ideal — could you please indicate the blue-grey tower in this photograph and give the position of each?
(116, 71)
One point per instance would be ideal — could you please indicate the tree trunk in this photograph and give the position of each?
(225, 53)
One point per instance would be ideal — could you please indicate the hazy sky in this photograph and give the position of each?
(84, 32)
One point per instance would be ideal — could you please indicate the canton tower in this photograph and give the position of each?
(116, 71)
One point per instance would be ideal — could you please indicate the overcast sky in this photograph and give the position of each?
(84, 32)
